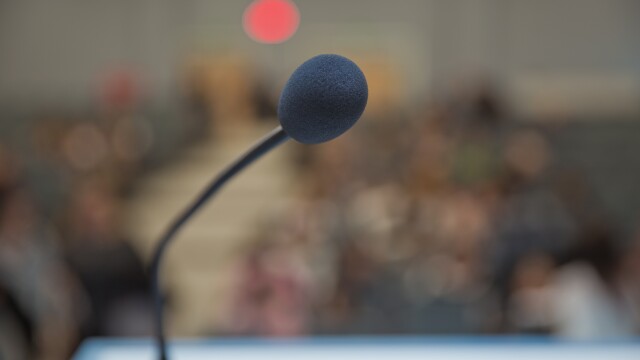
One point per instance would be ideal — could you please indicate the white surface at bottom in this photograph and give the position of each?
(374, 349)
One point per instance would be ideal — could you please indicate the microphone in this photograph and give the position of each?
(323, 98)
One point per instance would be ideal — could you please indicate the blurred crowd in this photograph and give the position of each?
(454, 221)
(67, 270)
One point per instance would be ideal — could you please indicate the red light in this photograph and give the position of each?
(271, 21)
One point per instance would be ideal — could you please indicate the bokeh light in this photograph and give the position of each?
(271, 21)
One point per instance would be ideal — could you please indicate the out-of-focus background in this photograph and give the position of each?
(491, 187)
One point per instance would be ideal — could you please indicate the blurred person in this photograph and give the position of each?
(112, 149)
(122, 137)
(475, 124)
(366, 251)
(429, 166)
(86, 148)
(380, 155)
(486, 104)
(109, 268)
(530, 218)
(446, 279)
(446, 300)
(111, 144)
(375, 237)
(130, 138)
(330, 170)
(628, 278)
(271, 296)
(589, 301)
(476, 120)
(16, 333)
(119, 90)
(377, 214)
(474, 159)
(346, 310)
(45, 169)
(531, 309)
(9, 172)
(579, 197)
(464, 225)
(265, 100)
(33, 273)
(476, 104)
(15, 329)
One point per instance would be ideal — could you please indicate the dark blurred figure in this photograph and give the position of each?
(530, 218)
(346, 311)
(109, 268)
(36, 281)
(46, 172)
(16, 332)
(628, 279)
(9, 172)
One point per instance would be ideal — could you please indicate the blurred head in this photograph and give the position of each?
(9, 170)
(527, 154)
(18, 213)
(599, 248)
(94, 211)
(533, 271)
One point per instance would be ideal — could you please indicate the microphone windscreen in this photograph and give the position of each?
(323, 98)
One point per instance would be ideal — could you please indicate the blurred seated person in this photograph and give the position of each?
(593, 292)
(530, 307)
(530, 218)
(109, 268)
(37, 284)
(270, 296)
(16, 334)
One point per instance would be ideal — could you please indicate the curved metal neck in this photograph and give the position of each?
(270, 141)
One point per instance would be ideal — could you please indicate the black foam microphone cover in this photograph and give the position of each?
(323, 98)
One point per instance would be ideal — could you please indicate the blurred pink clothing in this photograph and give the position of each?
(270, 300)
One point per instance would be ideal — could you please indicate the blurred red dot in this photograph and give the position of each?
(271, 21)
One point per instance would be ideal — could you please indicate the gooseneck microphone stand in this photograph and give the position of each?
(273, 139)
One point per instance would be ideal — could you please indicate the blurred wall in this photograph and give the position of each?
(56, 51)
(59, 51)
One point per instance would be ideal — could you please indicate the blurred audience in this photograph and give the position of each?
(66, 270)
(456, 221)
(462, 224)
